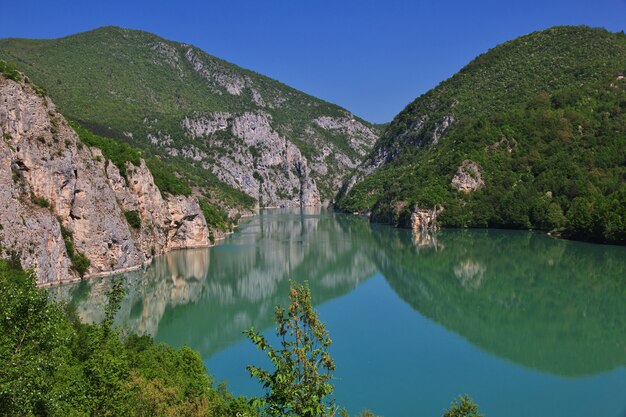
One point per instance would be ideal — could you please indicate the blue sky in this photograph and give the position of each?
(372, 57)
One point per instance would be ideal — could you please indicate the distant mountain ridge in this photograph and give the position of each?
(531, 134)
(212, 121)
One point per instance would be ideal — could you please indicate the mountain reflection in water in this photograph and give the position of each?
(551, 305)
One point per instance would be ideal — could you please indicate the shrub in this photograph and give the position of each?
(133, 219)
(40, 201)
(462, 407)
(80, 263)
(301, 381)
(10, 72)
(214, 216)
(53, 365)
(117, 152)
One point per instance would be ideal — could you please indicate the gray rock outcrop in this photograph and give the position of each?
(423, 220)
(50, 181)
(468, 177)
(262, 163)
(250, 152)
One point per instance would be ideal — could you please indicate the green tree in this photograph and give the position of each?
(301, 381)
(463, 407)
(52, 365)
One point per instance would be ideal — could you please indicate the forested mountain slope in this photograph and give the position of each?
(531, 134)
(211, 121)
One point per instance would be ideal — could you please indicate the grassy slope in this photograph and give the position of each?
(115, 82)
(545, 118)
(108, 77)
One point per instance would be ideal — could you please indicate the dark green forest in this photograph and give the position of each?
(544, 116)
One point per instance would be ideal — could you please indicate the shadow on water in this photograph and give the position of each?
(555, 306)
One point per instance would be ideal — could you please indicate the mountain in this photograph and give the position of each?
(531, 134)
(67, 210)
(217, 126)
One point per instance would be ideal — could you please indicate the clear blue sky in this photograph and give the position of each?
(372, 57)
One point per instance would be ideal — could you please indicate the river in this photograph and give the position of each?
(525, 324)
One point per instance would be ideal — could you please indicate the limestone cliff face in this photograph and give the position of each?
(260, 161)
(274, 143)
(424, 219)
(468, 177)
(50, 181)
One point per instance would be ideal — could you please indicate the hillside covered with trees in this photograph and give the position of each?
(541, 123)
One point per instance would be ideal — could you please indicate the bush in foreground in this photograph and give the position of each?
(52, 365)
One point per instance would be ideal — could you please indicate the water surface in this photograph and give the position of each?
(525, 324)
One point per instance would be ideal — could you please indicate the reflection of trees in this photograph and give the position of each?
(182, 298)
(548, 304)
(552, 305)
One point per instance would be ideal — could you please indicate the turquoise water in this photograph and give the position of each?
(525, 324)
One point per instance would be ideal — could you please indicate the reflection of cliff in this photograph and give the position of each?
(552, 305)
(182, 298)
(174, 278)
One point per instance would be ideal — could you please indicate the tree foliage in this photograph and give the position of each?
(462, 407)
(545, 119)
(300, 384)
(52, 365)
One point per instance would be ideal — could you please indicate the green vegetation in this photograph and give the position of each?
(133, 219)
(301, 381)
(463, 407)
(10, 71)
(41, 201)
(89, 78)
(52, 365)
(115, 151)
(214, 216)
(544, 116)
(80, 262)
(166, 179)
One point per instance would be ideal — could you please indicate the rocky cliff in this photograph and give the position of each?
(215, 122)
(62, 203)
(262, 163)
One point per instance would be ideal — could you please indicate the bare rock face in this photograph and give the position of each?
(49, 180)
(468, 177)
(423, 220)
(262, 163)
(361, 137)
(187, 227)
(171, 222)
(215, 73)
